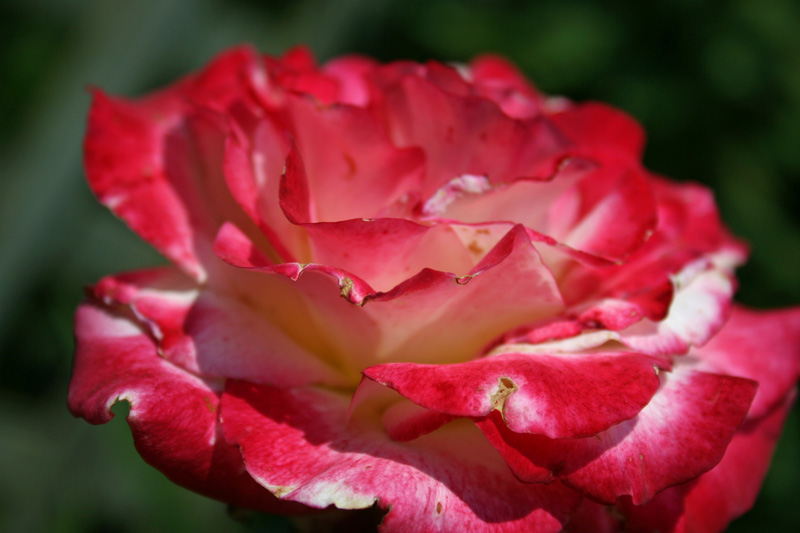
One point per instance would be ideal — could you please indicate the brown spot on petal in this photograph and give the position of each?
(438, 507)
(346, 286)
(282, 491)
(506, 388)
(475, 248)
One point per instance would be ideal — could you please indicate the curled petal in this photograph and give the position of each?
(613, 213)
(214, 335)
(254, 164)
(760, 345)
(689, 238)
(142, 158)
(298, 444)
(575, 395)
(387, 251)
(682, 433)
(722, 494)
(700, 305)
(173, 415)
(470, 135)
(699, 308)
(465, 312)
(600, 127)
(497, 79)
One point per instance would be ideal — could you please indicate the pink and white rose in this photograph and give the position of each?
(427, 288)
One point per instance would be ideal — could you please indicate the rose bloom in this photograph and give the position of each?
(430, 289)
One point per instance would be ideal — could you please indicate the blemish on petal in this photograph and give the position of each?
(280, 491)
(346, 287)
(438, 507)
(505, 389)
(475, 248)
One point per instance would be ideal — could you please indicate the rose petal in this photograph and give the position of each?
(508, 202)
(699, 308)
(680, 434)
(387, 251)
(406, 421)
(173, 415)
(142, 159)
(727, 491)
(296, 71)
(464, 312)
(469, 136)
(216, 335)
(254, 164)
(497, 79)
(560, 396)
(689, 232)
(298, 444)
(351, 72)
(350, 163)
(598, 126)
(760, 345)
(615, 213)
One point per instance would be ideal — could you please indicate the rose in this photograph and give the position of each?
(427, 287)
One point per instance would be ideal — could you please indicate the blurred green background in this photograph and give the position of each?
(716, 85)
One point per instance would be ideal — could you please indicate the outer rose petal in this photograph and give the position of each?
(682, 433)
(299, 444)
(600, 127)
(173, 415)
(760, 345)
(500, 81)
(213, 334)
(555, 395)
(689, 232)
(709, 503)
(351, 72)
(142, 159)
